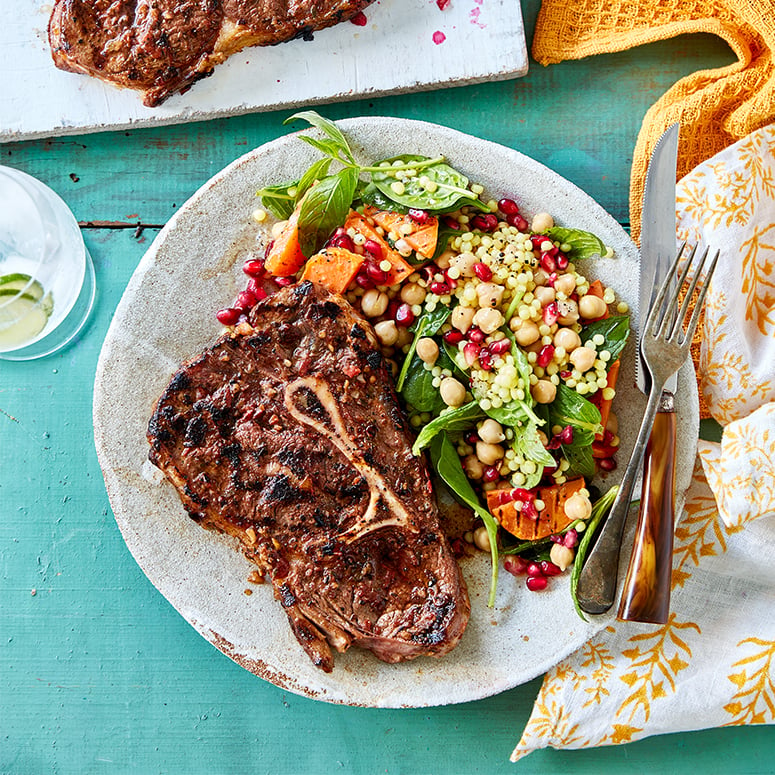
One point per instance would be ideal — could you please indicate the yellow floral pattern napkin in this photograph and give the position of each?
(713, 663)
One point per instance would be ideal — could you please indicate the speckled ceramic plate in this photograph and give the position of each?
(166, 316)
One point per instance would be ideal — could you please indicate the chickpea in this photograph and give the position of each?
(568, 312)
(412, 294)
(612, 424)
(527, 333)
(445, 259)
(490, 294)
(452, 392)
(427, 350)
(489, 454)
(583, 358)
(491, 431)
(540, 277)
(543, 391)
(482, 539)
(465, 263)
(592, 306)
(374, 303)
(405, 337)
(567, 338)
(545, 294)
(541, 222)
(488, 320)
(473, 467)
(461, 318)
(578, 507)
(561, 556)
(387, 332)
(565, 283)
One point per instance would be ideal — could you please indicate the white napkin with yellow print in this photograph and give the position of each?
(713, 663)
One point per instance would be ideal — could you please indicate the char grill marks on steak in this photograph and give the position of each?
(163, 46)
(287, 435)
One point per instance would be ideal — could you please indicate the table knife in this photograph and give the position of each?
(596, 586)
(646, 592)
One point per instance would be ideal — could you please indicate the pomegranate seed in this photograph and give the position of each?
(556, 538)
(534, 569)
(485, 360)
(342, 241)
(472, 438)
(471, 353)
(571, 538)
(491, 474)
(517, 221)
(451, 223)
(483, 272)
(450, 281)
(439, 288)
(476, 335)
(562, 261)
(359, 20)
(508, 207)
(550, 313)
(256, 290)
(404, 316)
(607, 464)
(514, 565)
(566, 374)
(428, 272)
(529, 510)
(537, 240)
(549, 568)
(392, 309)
(608, 437)
(536, 583)
(377, 275)
(254, 267)
(500, 347)
(364, 281)
(485, 222)
(551, 279)
(453, 336)
(549, 470)
(548, 264)
(284, 282)
(269, 248)
(228, 316)
(566, 435)
(545, 355)
(245, 300)
(521, 494)
(418, 216)
(374, 248)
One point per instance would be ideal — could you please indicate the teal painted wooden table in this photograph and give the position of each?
(97, 672)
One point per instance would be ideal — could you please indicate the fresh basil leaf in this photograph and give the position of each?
(328, 147)
(317, 171)
(455, 420)
(430, 323)
(325, 207)
(580, 459)
(513, 413)
(328, 127)
(447, 465)
(615, 329)
(527, 443)
(570, 408)
(583, 244)
(417, 388)
(277, 200)
(600, 509)
(451, 185)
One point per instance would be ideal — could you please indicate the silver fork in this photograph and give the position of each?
(665, 347)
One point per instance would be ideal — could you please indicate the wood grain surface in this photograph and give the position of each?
(98, 674)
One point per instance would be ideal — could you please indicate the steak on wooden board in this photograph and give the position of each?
(287, 434)
(163, 46)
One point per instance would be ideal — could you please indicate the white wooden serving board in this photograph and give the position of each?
(407, 45)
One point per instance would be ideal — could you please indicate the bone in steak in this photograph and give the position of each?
(163, 46)
(287, 434)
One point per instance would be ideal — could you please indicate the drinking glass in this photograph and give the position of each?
(47, 283)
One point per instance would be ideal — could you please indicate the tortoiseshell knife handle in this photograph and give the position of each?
(646, 594)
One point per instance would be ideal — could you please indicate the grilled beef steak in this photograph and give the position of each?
(163, 46)
(287, 435)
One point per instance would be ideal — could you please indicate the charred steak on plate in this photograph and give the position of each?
(163, 46)
(287, 434)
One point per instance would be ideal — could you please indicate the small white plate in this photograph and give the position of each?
(167, 315)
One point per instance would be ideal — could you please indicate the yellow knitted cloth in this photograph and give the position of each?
(715, 108)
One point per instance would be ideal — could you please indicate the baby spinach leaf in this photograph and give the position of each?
(430, 323)
(444, 236)
(459, 419)
(278, 200)
(371, 195)
(338, 142)
(580, 458)
(417, 388)
(324, 207)
(615, 329)
(571, 408)
(527, 443)
(451, 185)
(446, 463)
(599, 510)
(317, 171)
(583, 244)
